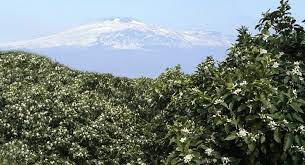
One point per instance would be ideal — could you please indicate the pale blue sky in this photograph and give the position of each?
(26, 19)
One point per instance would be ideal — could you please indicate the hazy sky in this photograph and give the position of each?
(26, 19)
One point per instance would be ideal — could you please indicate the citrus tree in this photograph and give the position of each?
(249, 108)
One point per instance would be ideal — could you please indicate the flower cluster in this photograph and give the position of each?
(296, 71)
(242, 133)
(188, 158)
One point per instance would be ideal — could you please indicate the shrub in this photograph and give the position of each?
(51, 114)
(251, 105)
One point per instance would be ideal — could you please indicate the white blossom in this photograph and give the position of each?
(272, 125)
(253, 139)
(188, 158)
(182, 140)
(218, 101)
(263, 51)
(242, 133)
(301, 128)
(275, 65)
(208, 151)
(185, 130)
(297, 63)
(225, 160)
(294, 91)
(243, 83)
(265, 37)
(237, 91)
(285, 121)
(217, 113)
(296, 71)
(299, 149)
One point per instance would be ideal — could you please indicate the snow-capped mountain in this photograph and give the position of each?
(122, 33)
(126, 47)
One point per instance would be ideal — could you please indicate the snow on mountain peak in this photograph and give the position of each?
(121, 33)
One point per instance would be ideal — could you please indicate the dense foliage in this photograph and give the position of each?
(248, 109)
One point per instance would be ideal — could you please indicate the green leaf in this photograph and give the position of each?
(288, 141)
(263, 149)
(224, 104)
(296, 107)
(301, 101)
(227, 129)
(231, 105)
(286, 80)
(263, 139)
(232, 136)
(173, 139)
(251, 147)
(276, 136)
(263, 99)
(229, 86)
(297, 139)
(179, 148)
(175, 160)
(297, 117)
(242, 107)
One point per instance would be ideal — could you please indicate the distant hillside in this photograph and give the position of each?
(71, 116)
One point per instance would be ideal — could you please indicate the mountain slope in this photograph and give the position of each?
(121, 33)
(126, 47)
